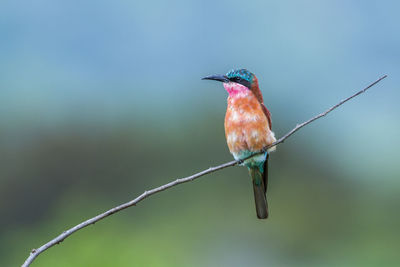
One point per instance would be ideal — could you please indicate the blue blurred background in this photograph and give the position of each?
(101, 100)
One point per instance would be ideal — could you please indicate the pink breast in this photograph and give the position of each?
(246, 126)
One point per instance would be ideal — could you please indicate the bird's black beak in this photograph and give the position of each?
(220, 78)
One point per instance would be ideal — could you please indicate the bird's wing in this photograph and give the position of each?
(265, 174)
(268, 114)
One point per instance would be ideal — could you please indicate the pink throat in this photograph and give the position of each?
(235, 89)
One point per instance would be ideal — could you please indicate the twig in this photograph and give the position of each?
(301, 125)
(35, 252)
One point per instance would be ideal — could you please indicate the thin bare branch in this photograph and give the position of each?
(35, 252)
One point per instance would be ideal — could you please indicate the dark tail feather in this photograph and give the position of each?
(265, 175)
(259, 193)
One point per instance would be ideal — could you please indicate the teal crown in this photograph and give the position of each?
(242, 74)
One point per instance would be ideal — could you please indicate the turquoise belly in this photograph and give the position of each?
(254, 162)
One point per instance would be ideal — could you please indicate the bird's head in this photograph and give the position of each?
(241, 76)
(237, 81)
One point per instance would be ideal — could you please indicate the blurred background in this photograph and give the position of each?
(101, 100)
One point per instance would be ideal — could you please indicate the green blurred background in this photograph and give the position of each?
(101, 100)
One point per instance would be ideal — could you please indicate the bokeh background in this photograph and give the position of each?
(101, 100)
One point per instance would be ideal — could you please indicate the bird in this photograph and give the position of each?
(248, 129)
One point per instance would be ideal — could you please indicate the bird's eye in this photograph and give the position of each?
(237, 79)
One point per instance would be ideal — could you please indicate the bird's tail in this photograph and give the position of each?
(259, 192)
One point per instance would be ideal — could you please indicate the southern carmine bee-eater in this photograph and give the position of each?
(248, 129)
